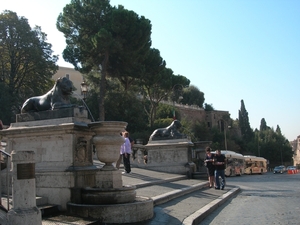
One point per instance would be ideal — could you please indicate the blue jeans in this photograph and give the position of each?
(220, 173)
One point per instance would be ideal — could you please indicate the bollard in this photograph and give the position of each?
(24, 210)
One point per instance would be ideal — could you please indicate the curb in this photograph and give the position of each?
(199, 215)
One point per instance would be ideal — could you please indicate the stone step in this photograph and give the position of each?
(70, 220)
(162, 192)
(199, 175)
(174, 201)
(41, 202)
(49, 210)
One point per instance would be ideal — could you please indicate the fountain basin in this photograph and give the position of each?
(139, 210)
(97, 196)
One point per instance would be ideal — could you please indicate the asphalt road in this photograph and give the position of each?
(264, 199)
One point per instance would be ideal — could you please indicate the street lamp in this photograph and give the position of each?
(176, 87)
(281, 156)
(84, 92)
(84, 89)
(225, 128)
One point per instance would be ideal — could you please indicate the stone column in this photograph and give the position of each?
(24, 209)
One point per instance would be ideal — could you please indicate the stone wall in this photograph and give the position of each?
(296, 149)
(194, 113)
(191, 113)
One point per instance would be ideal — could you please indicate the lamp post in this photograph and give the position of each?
(84, 89)
(281, 154)
(225, 128)
(176, 87)
(84, 92)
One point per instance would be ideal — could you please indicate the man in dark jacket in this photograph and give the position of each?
(219, 161)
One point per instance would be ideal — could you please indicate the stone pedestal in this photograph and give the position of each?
(172, 156)
(63, 151)
(24, 209)
(63, 157)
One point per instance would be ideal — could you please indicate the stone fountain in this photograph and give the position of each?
(62, 138)
(110, 201)
(64, 169)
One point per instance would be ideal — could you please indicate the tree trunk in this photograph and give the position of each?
(103, 88)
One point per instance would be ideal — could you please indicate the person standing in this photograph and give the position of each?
(126, 151)
(219, 162)
(210, 166)
(120, 157)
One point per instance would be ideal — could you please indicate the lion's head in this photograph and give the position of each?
(176, 124)
(64, 85)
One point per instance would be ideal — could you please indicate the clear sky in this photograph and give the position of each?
(231, 50)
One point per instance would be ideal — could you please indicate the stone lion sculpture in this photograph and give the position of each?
(170, 132)
(57, 97)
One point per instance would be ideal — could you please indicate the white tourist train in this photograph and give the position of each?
(238, 164)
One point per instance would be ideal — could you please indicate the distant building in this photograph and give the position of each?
(296, 149)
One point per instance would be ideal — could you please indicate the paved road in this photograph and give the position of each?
(264, 199)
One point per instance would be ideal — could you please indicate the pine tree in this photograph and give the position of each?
(278, 130)
(246, 131)
(263, 124)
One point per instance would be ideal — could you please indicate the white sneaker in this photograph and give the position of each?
(123, 172)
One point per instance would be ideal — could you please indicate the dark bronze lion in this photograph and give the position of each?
(57, 97)
(170, 132)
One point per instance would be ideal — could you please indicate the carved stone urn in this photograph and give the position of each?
(107, 141)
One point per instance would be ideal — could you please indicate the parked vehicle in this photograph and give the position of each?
(291, 168)
(255, 165)
(284, 168)
(279, 169)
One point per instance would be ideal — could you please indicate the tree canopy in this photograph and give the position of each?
(104, 38)
(193, 96)
(26, 63)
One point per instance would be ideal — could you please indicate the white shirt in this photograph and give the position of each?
(126, 147)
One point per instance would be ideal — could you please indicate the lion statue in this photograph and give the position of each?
(57, 97)
(170, 132)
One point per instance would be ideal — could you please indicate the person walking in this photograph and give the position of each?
(210, 166)
(126, 151)
(219, 162)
